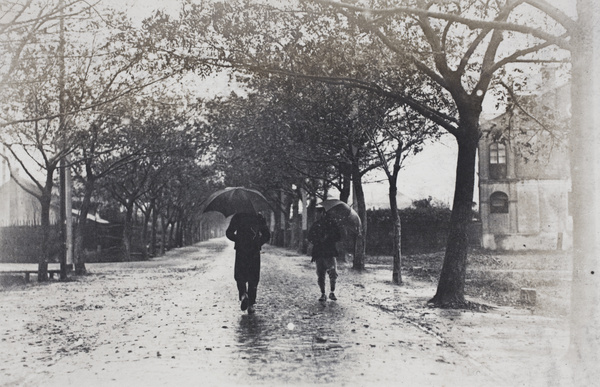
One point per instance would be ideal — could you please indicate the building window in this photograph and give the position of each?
(497, 160)
(499, 203)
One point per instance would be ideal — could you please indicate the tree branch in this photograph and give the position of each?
(88, 107)
(444, 120)
(471, 23)
(555, 13)
(514, 56)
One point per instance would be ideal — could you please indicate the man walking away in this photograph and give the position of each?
(249, 232)
(323, 234)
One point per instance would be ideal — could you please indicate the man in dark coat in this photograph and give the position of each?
(323, 234)
(249, 232)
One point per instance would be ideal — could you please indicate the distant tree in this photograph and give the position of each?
(404, 133)
(159, 141)
(298, 131)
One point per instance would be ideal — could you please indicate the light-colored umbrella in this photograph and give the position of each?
(344, 215)
(233, 200)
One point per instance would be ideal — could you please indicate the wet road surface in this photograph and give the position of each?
(177, 321)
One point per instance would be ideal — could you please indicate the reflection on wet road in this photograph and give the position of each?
(292, 336)
(177, 321)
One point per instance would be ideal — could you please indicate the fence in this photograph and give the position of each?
(22, 244)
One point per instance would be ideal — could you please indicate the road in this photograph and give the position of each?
(176, 321)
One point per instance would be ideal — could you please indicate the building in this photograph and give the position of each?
(524, 174)
(17, 206)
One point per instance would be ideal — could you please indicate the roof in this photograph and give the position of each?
(93, 218)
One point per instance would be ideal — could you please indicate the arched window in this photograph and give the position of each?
(497, 160)
(499, 203)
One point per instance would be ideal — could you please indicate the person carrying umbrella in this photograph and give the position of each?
(323, 234)
(249, 231)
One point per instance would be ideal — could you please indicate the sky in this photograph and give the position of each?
(429, 173)
(140, 9)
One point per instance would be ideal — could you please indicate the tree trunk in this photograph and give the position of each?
(286, 222)
(296, 226)
(146, 218)
(163, 235)
(584, 141)
(451, 286)
(153, 227)
(393, 192)
(185, 232)
(278, 235)
(171, 227)
(179, 232)
(79, 256)
(127, 225)
(359, 197)
(346, 174)
(304, 232)
(46, 247)
(397, 265)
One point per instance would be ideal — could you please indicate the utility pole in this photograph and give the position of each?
(64, 217)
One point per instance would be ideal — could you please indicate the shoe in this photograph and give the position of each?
(332, 297)
(244, 305)
(323, 297)
(251, 309)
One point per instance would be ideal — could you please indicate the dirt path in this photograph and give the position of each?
(176, 321)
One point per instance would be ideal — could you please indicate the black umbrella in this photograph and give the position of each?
(344, 215)
(232, 200)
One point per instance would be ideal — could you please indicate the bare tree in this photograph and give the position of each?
(404, 133)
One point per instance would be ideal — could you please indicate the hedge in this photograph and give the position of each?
(424, 229)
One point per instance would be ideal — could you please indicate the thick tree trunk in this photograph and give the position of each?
(451, 286)
(359, 197)
(346, 174)
(397, 265)
(584, 142)
(393, 192)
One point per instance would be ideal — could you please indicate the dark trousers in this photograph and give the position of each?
(326, 265)
(247, 273)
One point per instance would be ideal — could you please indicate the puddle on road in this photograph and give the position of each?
(253, 334)
(451, 314)
(299, 346)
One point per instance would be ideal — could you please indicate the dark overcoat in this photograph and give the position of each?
(323, 234)
(249, 232)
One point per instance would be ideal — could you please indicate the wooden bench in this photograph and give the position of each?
(28, 272)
